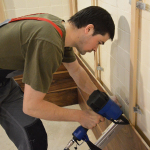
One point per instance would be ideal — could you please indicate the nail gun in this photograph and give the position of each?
(102, 104)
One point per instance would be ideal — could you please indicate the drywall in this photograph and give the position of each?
(16, 8)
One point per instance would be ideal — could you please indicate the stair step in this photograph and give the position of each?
(63, 98)
(62, 81)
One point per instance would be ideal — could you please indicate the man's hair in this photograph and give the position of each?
(99, 17)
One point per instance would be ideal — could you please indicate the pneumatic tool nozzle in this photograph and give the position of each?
(71, 142)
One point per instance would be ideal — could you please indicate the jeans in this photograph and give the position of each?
(26, 132)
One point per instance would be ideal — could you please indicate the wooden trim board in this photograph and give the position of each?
(2, 13)
(127, 138)
(73, 7)
(133, 60)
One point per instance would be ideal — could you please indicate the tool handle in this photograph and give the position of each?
(92, 146)
(85, 129)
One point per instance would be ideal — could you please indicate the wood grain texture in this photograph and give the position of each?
(63, 90)
(2, 13)
(133, 60)
(61, 81)
(61, 68)
(126, 139)
(95, 81)
(63, 98)
(82, 98)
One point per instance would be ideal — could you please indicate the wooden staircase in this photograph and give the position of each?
(63, 89)
(64, 92)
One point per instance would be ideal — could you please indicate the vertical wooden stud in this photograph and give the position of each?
(73, 7)
(93, 2)
(96, 54)
(73, 10)
(2, 13)
(133, 60)
(95, 65)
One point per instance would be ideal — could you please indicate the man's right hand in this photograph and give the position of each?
(89, 119)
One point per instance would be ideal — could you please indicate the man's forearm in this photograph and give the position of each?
(83, 81)
(49, 111)
(35, 106)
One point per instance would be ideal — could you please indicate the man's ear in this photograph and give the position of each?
(89, 29)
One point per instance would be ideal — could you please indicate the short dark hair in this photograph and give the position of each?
(99, 17)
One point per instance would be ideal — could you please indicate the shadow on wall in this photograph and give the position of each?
(119, 80)
(142, 124)
(120, 64)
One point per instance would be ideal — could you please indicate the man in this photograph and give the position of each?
(37, 49)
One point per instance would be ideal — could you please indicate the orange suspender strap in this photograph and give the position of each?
(40, 19)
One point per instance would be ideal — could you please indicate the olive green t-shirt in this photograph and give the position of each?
(35, 47)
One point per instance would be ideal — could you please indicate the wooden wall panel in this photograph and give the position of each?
(127, 138)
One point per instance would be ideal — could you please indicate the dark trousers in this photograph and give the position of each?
(26, 132)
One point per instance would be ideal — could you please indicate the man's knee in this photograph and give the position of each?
(37, 135)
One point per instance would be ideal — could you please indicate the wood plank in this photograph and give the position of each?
(127, 138)
(2, 13)
(82, 97)
(63, 98)
(95, 65)
(133, 60)
(21, 84)
(61, 75)
(95, 81)
(60, 72)
(56, 85)
(61, 68)
(71, 7)
(63, 90)
(61, 81)
(94, 2)
(18, 77)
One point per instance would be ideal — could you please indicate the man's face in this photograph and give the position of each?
(89, 43)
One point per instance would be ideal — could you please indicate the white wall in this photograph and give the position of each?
(16, 8)
(115, 56)
(115, 59)
(89, 57)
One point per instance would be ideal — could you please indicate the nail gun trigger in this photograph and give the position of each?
(78, 143)
(121, 120)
